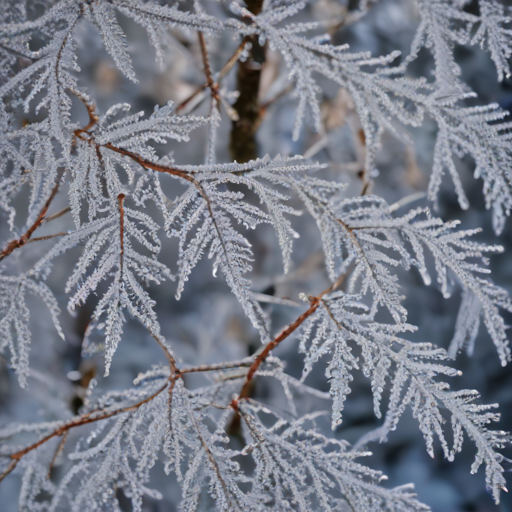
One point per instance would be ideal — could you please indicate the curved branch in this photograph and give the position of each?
(285, 333)
(90, 417)
(20, 242)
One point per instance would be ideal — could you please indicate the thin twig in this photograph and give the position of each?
(244, 393)
(16, 53)
(20, 242)
(47, 237)
(233, 59)
(185, 102)
(147, 164)
(262, 297)
(220, 366)
(56, 215)
(170, 358)
(76, 422)
(207, 69)
(93, 117)
(222, 74)
(285, 333)
(58, 451)
(213, 462)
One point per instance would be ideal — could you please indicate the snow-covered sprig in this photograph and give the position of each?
(50, 73)
(363, 232)
(409, 370)
(202, 218)
(445, 23)
(121, 142)
(109, 254)
(301, 469)
(15, 318)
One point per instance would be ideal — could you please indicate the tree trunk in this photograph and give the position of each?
(243, 132)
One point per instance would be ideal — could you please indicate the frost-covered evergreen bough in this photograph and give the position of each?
(227, 448)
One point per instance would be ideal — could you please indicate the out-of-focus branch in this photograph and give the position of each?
(212, 85)
(222, 74)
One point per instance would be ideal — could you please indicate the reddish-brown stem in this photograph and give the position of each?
(93, 118)
(222, 74)
(20, 242)
(214, 87)
(185, 102)
(274, 343)
(58, 451)
(169, 401)
(47, 237)
(170, 358)
(85, 419)
(291, 328)
(233, 59)
(147, 164)
(217, 367)
(56, 215)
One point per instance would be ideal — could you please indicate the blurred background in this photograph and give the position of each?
(207, 325)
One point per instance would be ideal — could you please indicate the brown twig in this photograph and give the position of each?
(170, 358)
(214, 464)
(93, 117)
(47, 237)
(233, 59)
(366, 186)
(147, 164)
(213, 86)
(291, 328)
(217, 367)
(222, 74)
(20, 242)
(58, 451)
(85, 419)
(16, 53)
(272, 345)
(185, 102)
(56, 215)
(169, 401)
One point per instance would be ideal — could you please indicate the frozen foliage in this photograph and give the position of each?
(227, 448)
(293, 456)
(376, 242)
(410, 368)
(444, 23)
(173, 423)
(16, 315)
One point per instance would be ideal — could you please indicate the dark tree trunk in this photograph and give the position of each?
(243, 133)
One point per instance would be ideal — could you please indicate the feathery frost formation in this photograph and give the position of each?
(114, 177)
